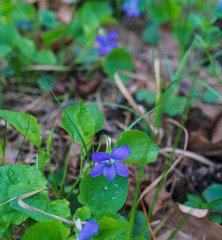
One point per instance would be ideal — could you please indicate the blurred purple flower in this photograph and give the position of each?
(219, 5)
(90, 229)
(27, 24)
(107, 42)
(19, 25)
(131, 8)
(109, 164)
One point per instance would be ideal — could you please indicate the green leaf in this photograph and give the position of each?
(145, 95)
(46, 56)
(49, 142)
(75, 30)
(45, 81)
(118, 59)
(21, 122)
(103, 195)
(40, 201)
(27, 48)
(3, 225)
(83, 213)
(142, 149)
(217, 203)
(41, 160)
(194, 201)
(138, 225)
(16, 175)
(8, 35)
(97, 116)
(54, 35)
(89, 19)
(209, 97)
(175, 105)
(47, 231)
(138, 238)
(84, 120)
(48, 18)
(213, 193)
(93, 14)
(195, 198)
(5, 49)
(21, 11)
(87, 118)
(216, 217)
(165, 11)
(151, 35)
(110, 228)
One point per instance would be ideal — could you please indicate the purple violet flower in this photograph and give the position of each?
(27, 24)
(131, 8)
(109, 164)
(90, 229)
(107, 42)
(219, 5)
(19, 25)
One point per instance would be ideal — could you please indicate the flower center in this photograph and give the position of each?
(109, 162)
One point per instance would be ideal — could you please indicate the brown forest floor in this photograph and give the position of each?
(198, 168)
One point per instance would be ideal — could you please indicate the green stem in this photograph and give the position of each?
(8, 234)
(53, 177)
(3, 154)
(73, 187)
(22, 143)
(1, 89)
(213, 65)
(66, 166)
(134, 207)
(4, 141)
(184, 117)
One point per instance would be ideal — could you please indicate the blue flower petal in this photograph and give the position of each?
(131, 8)
(90, 229)
(109, 171)
(100, 39)
(121, 153)
(220, 5)
(112, 34)
(97, 170)
(100, 157)
(121, 169)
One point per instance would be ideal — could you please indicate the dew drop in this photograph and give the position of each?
(105, 202)
(116, 185)
(34, 180)
(113, 198)
(105, 188)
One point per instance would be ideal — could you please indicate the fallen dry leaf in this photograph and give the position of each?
(196, 227)
(217, 132)
(164, 196)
